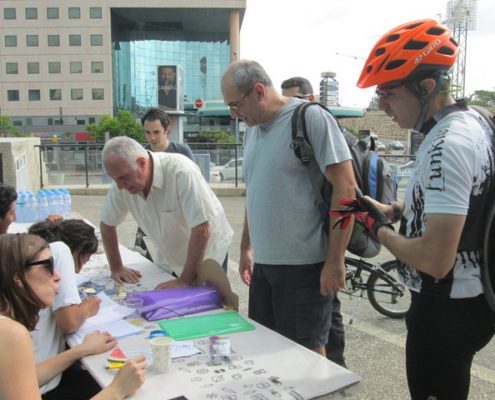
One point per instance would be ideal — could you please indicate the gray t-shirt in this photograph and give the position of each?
(284, 223)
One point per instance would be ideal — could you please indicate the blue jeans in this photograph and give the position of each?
(442, 337)
(287, 299)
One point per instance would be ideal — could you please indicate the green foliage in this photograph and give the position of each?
(6, 127)
(212, 137)
(124, 124)
(485, 98)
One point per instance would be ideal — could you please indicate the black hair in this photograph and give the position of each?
(7, 196)
(75, 233)
(300, 82)
(154, 114)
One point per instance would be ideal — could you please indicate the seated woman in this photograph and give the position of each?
(28, 283)
(72, 242)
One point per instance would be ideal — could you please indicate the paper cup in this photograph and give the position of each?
(135, 304)
(161, 350)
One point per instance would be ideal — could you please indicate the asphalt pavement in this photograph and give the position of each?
(374, 343)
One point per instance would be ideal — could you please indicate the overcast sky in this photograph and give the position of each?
(307, 37)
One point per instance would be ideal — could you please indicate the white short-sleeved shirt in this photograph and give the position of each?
(47, 338)
(179, 200)
(452, 175)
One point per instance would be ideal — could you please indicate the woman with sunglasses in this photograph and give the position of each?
(29, 283)
(72, 242)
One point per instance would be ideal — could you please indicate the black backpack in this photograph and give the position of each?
(373, 176)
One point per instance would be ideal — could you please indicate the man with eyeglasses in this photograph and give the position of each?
(291, 267)
(441, 236)
(301, 88)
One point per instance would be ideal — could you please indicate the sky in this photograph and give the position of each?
(307, 37)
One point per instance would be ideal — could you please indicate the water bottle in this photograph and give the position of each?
(31, 207)
(67, 202)
(59, 202)
(52, 202)
(20, 207)
(42, 205)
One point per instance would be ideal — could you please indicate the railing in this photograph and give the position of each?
(81, 164)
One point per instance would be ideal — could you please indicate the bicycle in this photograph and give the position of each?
(385, 292)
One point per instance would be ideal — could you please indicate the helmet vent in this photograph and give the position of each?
(379, 51)
(435, 31)
(415, 45)
(412, 26)
(394, 64)
(454, 42)
(393, 38)
(446, 50)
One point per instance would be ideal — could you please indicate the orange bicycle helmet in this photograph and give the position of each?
(423, 45)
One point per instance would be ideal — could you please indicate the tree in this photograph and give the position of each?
(124, 124)
(6, 127)
(484, 98)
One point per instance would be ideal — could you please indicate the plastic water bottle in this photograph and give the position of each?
(31, 207)
(59, 202)
(52, 202)
(20, 207)
(67, 202)
(42, 205)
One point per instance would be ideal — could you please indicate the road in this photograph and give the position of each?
(374, 343)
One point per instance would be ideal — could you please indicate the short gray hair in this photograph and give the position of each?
(125, 148)
(246, 73)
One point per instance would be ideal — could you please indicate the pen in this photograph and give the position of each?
(114, 365)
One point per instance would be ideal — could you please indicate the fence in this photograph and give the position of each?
(80, 163)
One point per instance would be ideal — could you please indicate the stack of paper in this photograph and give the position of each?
(109, 319)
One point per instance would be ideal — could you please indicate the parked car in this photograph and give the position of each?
(227, 171)
(396, 145)
(379, 145)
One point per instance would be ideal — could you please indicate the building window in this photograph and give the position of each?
(33, 67)
(55, 94)
(53, 40)
(95, 12)
(34, 95)
(10, 41)
(98, 94)
(12, 95)
(76, 94)
(32, 40)
(75, 67)
(31, 13)
(91, 120)
(74, 12)
(9, 13)
(74, 40)
(97, 40)
(52, 13)
(80, 121)
(97, 67)
(11, 68)
(54, 67)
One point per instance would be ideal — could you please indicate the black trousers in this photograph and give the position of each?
(443, 336)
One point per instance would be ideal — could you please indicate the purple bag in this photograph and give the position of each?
(177, 302)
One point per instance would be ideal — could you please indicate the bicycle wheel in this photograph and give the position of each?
(387, 294)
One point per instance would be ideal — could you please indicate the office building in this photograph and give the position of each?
(64, 64)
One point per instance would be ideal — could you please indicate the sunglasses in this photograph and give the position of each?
(383, 92)
(47, 263)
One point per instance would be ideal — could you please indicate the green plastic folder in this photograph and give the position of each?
(205, 325)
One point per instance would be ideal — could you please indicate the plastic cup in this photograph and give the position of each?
(161, 350)
(136, 304)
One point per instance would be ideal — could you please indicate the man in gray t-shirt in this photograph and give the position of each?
(292, 268)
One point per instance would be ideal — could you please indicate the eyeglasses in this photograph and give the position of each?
(235, 107)
(48, 263)
(383, 92)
